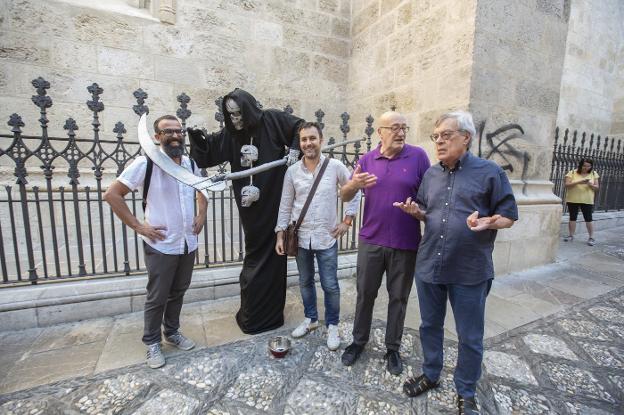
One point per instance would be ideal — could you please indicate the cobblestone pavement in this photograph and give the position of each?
(571, 362)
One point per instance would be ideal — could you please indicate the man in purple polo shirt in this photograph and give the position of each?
(389, 237)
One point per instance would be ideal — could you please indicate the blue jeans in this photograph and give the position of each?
(468, 303)
(327, 261)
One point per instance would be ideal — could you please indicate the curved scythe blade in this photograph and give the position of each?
(169, 166)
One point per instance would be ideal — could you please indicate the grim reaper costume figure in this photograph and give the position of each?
(250, 138)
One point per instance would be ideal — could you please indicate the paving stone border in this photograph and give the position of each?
(580, 373)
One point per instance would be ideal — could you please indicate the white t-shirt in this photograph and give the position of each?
(169, 203)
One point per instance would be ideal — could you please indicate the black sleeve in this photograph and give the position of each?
(209, 149)
(290, 125)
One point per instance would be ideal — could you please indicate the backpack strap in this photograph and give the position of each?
(147, 180)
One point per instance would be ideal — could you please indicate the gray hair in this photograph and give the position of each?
(464, 121)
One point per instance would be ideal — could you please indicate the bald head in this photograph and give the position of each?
(389, 115)
(392, 131)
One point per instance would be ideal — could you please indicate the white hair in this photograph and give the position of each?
(464, 121)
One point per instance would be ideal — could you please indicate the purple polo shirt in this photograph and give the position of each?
(397, 179)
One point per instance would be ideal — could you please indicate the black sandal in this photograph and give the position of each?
(416, 386)
(467, 406)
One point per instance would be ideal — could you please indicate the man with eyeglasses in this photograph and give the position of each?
(389, 237)
(169, 234)
(463, 200)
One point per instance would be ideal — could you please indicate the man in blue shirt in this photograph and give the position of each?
(463, 201)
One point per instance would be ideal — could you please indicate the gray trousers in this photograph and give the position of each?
(372, 262)
(169, 276)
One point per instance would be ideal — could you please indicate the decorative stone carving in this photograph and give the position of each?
(167, 11)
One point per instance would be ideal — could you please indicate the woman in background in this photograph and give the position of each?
(581, 185)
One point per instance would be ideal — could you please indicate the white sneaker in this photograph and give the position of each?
(304, 328)
(333, 337)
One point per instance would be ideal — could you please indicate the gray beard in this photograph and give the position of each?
(174, 151)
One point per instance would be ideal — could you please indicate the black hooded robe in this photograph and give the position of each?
(263, 277)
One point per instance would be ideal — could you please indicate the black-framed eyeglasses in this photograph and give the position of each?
(169, 132)
(445, 135)
(396, 128)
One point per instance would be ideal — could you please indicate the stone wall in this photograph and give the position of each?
(617, 117)
(518, 63)
(283, 51)
(593, 78)
(414, 55)
(488, 57)
(617, 121)
(507, 61)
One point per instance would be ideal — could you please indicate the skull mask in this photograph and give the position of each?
(249, 154)
(235, 113)
(249, 194)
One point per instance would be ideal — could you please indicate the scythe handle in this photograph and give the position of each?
(254, 170)
(268, 166)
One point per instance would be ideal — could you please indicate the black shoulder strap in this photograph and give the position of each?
(306, 205)
(147, 180)
(148, 177)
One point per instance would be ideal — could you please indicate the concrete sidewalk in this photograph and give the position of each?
(581, 275)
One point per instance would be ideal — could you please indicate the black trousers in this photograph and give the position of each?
(372, 262)
(169, 276)
(587, 210)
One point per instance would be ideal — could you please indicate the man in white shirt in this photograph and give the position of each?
(169, 234)
(318, 231)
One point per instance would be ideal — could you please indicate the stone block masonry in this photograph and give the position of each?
(213, 46)
(521, 67)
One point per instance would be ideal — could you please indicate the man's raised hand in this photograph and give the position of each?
(363, 180)
(477, 224)
(411, 208)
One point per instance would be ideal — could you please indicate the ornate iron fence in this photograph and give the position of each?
(53, 231)
(608, 161)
